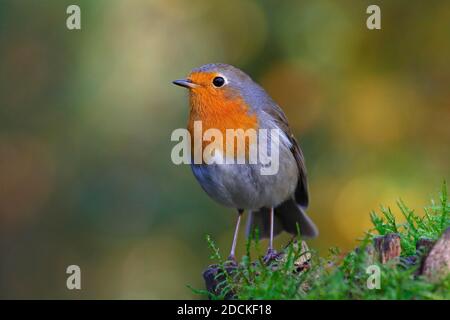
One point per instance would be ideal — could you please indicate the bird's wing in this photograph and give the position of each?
(301, 192)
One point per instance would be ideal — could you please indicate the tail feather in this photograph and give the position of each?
(287, 216)
(261, 220)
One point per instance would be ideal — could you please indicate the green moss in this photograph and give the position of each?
(335, 277)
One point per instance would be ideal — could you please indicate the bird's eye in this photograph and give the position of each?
(218, 82)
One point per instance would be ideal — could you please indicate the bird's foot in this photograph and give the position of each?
(231, 260)
(271, 255)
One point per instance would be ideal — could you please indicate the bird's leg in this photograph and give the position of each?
(271, 230)
(232, 256)
(271, 253)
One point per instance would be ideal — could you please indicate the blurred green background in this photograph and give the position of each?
(86, 117)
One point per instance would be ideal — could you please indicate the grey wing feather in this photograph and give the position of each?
(301, 192)
(292, 211)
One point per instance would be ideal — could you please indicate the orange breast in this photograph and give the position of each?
(220, 110)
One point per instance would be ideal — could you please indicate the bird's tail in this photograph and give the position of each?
(286, 217)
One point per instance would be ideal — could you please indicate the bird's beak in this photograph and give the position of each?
(185, 83)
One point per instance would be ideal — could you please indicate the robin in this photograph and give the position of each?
(223, 97)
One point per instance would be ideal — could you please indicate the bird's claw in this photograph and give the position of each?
(232, 260)
(270, 256)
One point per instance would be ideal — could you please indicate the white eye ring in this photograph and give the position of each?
(219, 81)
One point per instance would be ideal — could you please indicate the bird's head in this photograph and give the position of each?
(218, 96)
